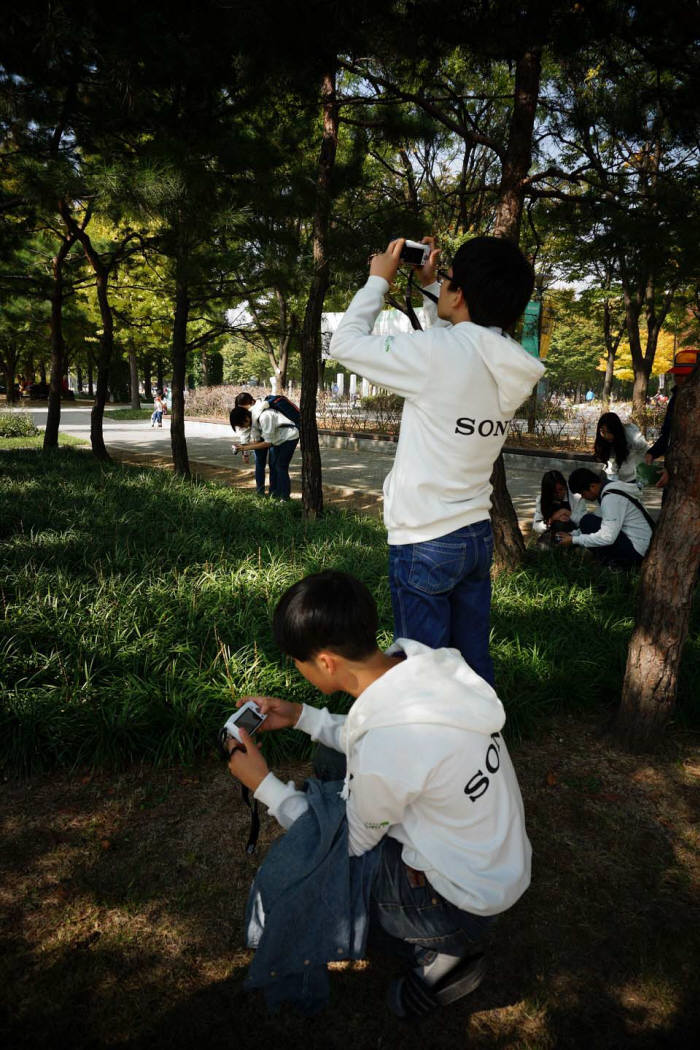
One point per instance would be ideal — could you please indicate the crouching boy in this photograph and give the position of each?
(431, 794)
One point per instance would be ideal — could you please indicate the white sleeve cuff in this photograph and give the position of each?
(283, 801)
(374, 280)
(309, 720)
(272, 792)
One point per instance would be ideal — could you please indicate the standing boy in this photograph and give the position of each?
(462, 383)
(429, 784)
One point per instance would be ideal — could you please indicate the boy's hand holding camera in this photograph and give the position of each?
(246, 762)
(386, 264)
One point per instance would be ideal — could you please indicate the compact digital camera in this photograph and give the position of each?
(248, 717)
(414, 253)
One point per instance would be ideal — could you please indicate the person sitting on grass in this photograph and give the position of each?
(431, 795)
(620, 446)
(557, 509)
(620, 537)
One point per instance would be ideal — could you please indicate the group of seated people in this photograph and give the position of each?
(620, 532)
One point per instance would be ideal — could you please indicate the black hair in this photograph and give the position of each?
(240, 417)
(244, 399)
(548, 496)
(328, 610)
(496, 280)
(603, 449)
(582, 478)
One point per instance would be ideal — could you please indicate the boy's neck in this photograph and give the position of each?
(359, 676)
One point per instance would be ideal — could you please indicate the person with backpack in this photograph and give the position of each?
(270, 428)
(620, 537)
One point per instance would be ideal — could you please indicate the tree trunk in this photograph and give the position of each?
(10, 361)
(666, 589)
(147, 391)
(9, 377)
(104, 359)
(518, 156)
(99, 449)
(611, 345)
(101, 272)
(311, 478)
(178, 443)
(53, 416)
(508, 543)
(91, 379)
(160, 375)
(509, 547)
(134, 380)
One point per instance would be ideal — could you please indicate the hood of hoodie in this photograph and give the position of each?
(513, 370)
(407, 694)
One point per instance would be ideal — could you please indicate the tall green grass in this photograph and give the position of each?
(135, 608)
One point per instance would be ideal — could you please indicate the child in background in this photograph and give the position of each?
(158, 408)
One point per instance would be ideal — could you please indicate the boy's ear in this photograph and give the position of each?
(327, 662)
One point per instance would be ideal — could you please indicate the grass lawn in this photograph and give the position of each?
(37, 441)
(135, 607)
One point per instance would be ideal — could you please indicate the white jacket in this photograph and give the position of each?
(428, 766)
(619, 515)
(637, 448)
(462, 384)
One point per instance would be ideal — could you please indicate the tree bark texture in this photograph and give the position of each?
(10, 361)
(53, 415)
(667, 583)
(134, 380)
(509, 546)
(101, 272)
(508, 543)
(518, 154)
(311, 475)
(104, 361)
(178, 443)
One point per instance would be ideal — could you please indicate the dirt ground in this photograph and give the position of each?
(122, 898)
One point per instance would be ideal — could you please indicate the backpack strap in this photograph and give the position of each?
(617, 492)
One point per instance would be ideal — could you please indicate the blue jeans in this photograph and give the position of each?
(407, 913)
(260, 461)
(441, 593)
(622, 551)
(280, 456)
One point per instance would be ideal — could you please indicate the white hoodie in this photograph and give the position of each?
(462, 384)
(428, 766)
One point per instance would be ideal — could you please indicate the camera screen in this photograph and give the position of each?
(249, 721)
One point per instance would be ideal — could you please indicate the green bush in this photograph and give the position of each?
(17, 424)
(383, 403)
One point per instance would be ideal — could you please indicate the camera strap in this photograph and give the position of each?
(410, 312)
(252, 804)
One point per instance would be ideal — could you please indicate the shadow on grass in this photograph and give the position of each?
(125, 899)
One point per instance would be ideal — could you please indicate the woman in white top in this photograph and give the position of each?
(620, 447)
(557, 508)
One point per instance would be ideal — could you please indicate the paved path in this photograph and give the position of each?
(349, 471)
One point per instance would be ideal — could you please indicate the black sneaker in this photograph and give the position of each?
(410, 996)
